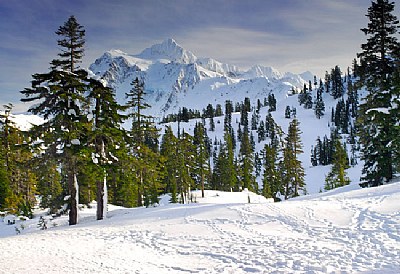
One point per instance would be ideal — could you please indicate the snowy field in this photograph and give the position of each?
(347, 230)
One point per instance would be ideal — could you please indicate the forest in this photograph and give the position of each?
(82, 152)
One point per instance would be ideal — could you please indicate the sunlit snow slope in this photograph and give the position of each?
(354, 231)
(174, 78)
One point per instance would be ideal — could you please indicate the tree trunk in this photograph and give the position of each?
(73, 190)
(99, 198)
(202, 185)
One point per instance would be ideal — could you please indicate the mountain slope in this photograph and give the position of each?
(174, 78)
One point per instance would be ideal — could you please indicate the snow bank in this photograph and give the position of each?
(353, 231)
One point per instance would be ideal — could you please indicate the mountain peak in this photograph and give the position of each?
(169, 49)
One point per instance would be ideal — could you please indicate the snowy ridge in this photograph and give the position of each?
(174, 78)
(25, 122)
(168, 50)
(342, 231)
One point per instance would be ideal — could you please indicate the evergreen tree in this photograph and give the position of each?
(146, 162)
(272, 181)
(20, 181)
(288, 112)
(337, 176)
(379, 61)
(201, 156)
(212, 124)
(246, 159)
(308, 100)
(141, 123)
(337, 83)
(261, 132)
(169, 150)
(272, 102)
(319, 108)
(185, 165)
(106, 135)
(61, 95)
(294, 172)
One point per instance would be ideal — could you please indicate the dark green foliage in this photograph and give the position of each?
(305, 98)
(293, 172)
(106, 135)
(168, 150)
(319, 105)
(255, 119)
(261, 132)
(342, 116)
(271, 102)
(202, 155)
(288, 112)
(225, 168)
(379, 61)
(272, 180)
(61, 101)
(337, 87)
(337, 176)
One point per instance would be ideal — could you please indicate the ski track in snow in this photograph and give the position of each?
(354, 232)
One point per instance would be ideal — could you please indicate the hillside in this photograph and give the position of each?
(347, 231)
(175, 78)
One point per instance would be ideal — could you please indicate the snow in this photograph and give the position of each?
(25, 122)
(174, 77)
(75, 142)
(343, 231)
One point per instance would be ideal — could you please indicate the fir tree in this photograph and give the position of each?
(271, 102)
(293, 170)
(288, 112)
(106, 135)
(337, 176)
(61, 95)
(169, 150)
(337, 83)
(246, 159)
(272, 181)
(201, 156)
(379, 61)
(319, 108)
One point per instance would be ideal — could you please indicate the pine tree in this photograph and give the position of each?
(169, 149)
(379, 61)
(61, 95)
(185, 166)
(272, 181)
(18, 180)
(106, 135)
(147, 163)
(272, 102)
(288, 112)
(200, 140)
(319, 108)
(246, 158)
(136, 105)
(6, 127)
(294, 172)
(337, 176)
(261, 132)
(337, 83)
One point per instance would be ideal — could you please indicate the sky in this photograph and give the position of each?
(289, 35)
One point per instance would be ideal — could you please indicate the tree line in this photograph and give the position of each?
(82, 153)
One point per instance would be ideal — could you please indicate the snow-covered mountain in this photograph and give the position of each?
(174, 77)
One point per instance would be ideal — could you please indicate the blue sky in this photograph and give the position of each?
(290, 35)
